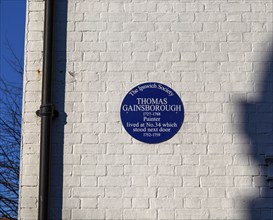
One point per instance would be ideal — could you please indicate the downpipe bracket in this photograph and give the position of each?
(47, 110)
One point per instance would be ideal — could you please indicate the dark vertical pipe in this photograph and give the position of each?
(47, 56)
(46, 113)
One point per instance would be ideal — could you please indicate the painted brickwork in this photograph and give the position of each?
(214, 54)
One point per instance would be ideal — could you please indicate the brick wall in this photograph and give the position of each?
(214, 54)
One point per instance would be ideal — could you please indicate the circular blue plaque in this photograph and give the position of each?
(152, 112)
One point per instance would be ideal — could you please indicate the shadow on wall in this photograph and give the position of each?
(258, 118)
(58, 93)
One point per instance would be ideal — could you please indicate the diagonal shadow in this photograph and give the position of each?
(258, 118)
(57, 148)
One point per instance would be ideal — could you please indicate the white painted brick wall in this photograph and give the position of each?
(214, 54)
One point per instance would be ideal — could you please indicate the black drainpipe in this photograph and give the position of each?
(47, 113)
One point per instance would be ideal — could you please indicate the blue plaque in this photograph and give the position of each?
(152, 112)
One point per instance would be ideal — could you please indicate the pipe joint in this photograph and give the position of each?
(47, 110)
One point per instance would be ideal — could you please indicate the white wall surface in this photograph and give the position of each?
(214, 54)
